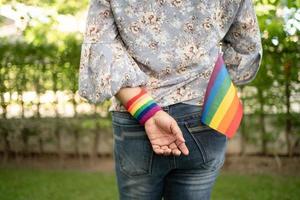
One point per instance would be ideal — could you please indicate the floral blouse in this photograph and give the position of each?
(167, 46)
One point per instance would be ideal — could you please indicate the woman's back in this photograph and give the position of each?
(170, 46)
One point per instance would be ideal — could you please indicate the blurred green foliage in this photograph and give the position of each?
(62, 6)
(278, 81)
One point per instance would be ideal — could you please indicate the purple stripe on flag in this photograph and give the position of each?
(214, 74)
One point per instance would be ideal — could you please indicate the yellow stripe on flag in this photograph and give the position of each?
(224, 106)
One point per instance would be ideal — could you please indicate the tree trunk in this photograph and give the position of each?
(38, 106)
(74, 104)
(5, 133)
(22, 105)
(264, 141)
(4, 107)
(263, 133)
(24, 134)
(96, 142)
(41, 145)
(58, 141)
(243, 139)
(76, 143)
(243, 130)
(76, 129)
(288, 118)
(7, 148)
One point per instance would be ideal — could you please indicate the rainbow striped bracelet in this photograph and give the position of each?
(142, 106)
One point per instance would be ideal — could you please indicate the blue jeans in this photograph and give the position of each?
(142, 174)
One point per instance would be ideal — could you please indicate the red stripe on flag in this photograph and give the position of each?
(236, 121)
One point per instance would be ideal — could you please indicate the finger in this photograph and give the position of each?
(166, 149)
(167, 152)
(176, 131)
(164, 139)
(157, 149)
(176, 152)
(173, 146)
(183, 148)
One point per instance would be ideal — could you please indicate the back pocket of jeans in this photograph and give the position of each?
(133, 150)
(211, 142)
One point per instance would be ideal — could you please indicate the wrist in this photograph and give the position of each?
(142, 106)
(156, 117)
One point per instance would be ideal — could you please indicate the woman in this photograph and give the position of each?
(154, 59)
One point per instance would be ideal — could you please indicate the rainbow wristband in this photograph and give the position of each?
(142, 106)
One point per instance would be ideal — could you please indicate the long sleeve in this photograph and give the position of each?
(105, 64)
(242, 49)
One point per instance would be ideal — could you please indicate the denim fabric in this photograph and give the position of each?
(142, 174)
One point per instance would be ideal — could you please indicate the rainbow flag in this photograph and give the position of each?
(222, 108)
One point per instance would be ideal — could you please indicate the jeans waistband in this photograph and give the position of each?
(180, 111)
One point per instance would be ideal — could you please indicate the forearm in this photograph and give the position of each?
(126, 94)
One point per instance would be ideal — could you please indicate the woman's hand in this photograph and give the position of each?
(164, 134)
(162, 130)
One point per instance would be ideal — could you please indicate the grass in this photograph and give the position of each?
(24, 184)
(27, 184)
(231, 186)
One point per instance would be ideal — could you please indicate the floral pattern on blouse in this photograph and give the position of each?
(167, 46)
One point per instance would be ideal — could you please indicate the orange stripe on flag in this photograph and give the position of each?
(223, 126)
